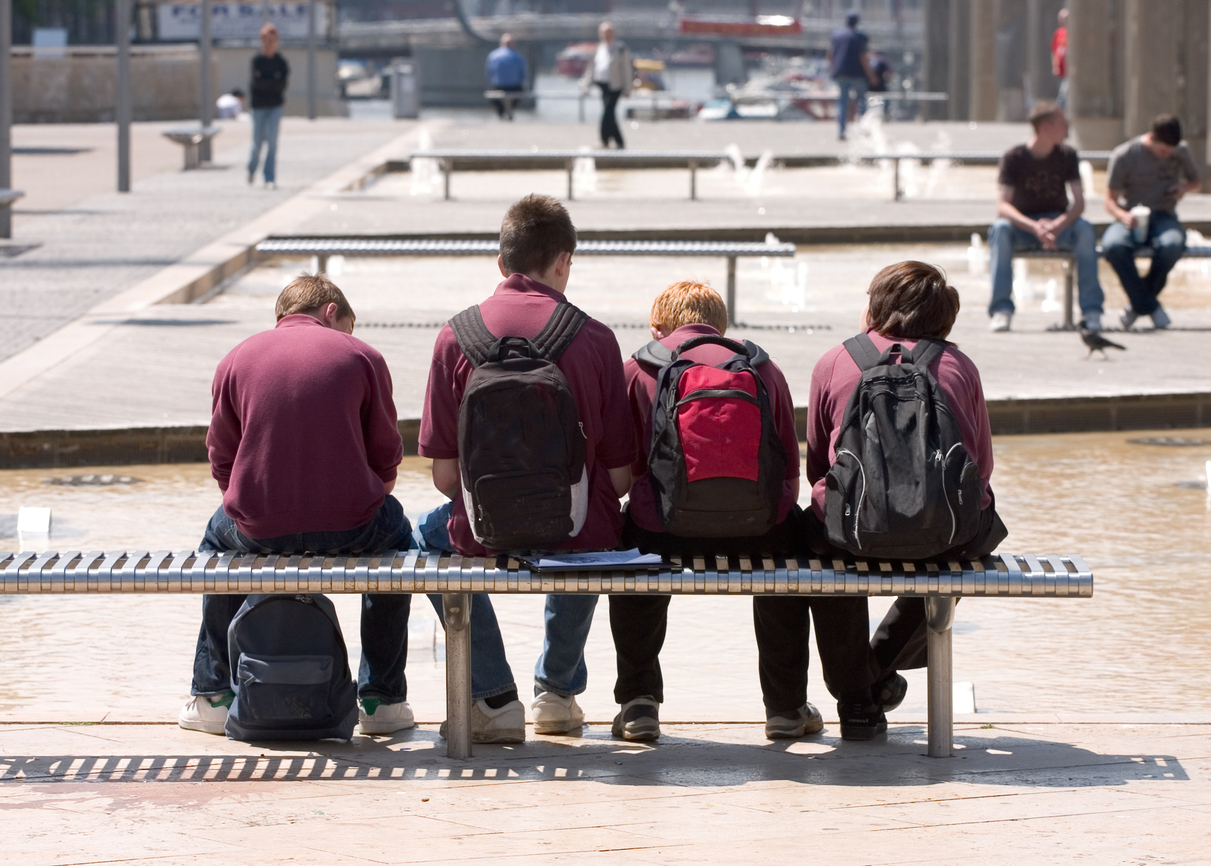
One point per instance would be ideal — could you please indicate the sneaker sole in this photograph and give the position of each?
(499, 737)
(384, 727)
(810, 726)
(202, 727)
(562, 726)
(862, 732)
(638, 732)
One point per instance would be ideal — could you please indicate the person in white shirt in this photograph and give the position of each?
(230, 106)
(613, 71)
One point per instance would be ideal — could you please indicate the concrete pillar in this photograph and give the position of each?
(6, 112)
(1040, 25)
(983, 99)
(936, 70)
(1093, 108)
(959, 85)
(1011, 60)
(1166, 69)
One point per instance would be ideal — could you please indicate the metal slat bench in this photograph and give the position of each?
(537, 160)
(1069, 262)
(192, 138)
(322, 248)
(7, 198)
(456, 577)
(967, 157)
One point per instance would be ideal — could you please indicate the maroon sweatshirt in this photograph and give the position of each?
(303, 431)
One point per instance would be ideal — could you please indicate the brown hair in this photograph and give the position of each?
(309, 292)
(688, 303)
(912, 300)
(533, 234)
(1167, 129)
(1042, 112)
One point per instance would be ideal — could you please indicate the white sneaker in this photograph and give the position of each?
(206, 713)
(376, 717)
(555, 714)
(1000, 322)
(1093, 321)
(505, 725)
(1127, 317)
(1160, 319)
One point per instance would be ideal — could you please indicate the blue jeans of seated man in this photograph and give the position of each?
(384, 626)
(1004, 239)
(1168, 241)
(859, 85)
(566, 621)
(265, 125)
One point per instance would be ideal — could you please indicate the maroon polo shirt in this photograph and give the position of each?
(641, 392)
(302, 433)
(592, 364)
(834, 379)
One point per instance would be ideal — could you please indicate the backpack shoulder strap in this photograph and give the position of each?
(926, 352)
(473, 335)
(756, 355)
(862, 349)
(655, 354)
(559, 331)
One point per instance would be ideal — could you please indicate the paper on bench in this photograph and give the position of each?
(594, 559)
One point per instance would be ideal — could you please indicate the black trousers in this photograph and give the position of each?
(899, 643)
(609, 119)
(639, 624)
(505, 109)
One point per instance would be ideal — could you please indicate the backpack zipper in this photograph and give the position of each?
(861, 498)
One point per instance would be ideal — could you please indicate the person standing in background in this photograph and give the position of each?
(613, 70)
(849, 65)
(1059, 57)
(506, 70)
(270, 74)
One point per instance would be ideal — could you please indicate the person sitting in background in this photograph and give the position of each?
(1034, 212)
(506, 70)
(1145, 180)
(230, 106)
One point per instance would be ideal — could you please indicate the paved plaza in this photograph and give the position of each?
(1082, 749)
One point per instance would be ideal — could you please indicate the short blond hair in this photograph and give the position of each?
(307, 293)
(688, 303)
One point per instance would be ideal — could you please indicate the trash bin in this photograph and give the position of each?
(405, 89)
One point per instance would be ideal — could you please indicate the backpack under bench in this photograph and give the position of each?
(457, 577)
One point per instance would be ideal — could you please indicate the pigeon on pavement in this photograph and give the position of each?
(1096, 342)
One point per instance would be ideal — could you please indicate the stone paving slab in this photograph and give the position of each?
(703, 794)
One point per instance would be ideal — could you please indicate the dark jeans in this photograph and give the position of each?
(384, 629)
(1168, 241)
(639, 623)
(899, 643)
(504, 109)
(609, 119)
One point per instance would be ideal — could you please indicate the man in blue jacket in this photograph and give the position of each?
(506, 70)
(849, 65)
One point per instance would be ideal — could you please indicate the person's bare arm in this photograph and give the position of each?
(864, 59)
(446, 477)
(1068, 217)
(620, 478)
(389, 486)
(1116, 210)
(1006, 210)
(795, 490)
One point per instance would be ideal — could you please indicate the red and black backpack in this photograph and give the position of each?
(716, 462)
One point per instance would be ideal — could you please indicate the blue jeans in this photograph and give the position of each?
(384, 628)
(1168, 241)
(561, 667)
(1004, 239)
(265, 124)
(858, 84)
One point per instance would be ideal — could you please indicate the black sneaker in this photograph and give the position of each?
(889, 693)
(860, 718)
(639, 720)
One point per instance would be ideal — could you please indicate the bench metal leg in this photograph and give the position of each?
(447, 168)
(192, 157)
(895, 180)
(571, 166)
(939, 616)
(321, 263)
(693, 180)
(6, 221)
(456, 610)
(731, 290)
(1069, 275)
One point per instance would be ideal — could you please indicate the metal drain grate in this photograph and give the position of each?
(93, 480)
(1170, 441)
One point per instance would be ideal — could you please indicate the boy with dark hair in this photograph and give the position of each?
(1033, 212)
(304, 445)
(537, 240)
(1145, 180)
(909, 301)
(689, 311)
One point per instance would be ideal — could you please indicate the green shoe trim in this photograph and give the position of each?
(369, 705)
(223, 700)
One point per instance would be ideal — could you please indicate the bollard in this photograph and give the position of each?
(456, 610)
(939, 616)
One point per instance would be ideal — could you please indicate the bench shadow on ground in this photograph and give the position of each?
(899, 760)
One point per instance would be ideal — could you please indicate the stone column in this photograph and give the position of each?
(959, 83)
(936, 70)
(1011, 60)
(1093, 108)
(983, 60)
(1040, 25)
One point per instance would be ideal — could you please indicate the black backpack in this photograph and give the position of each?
(715, 458)
(520, 441)
(290, 671)
(902, 486)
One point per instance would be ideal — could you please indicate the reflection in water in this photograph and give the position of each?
(1138, 644)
